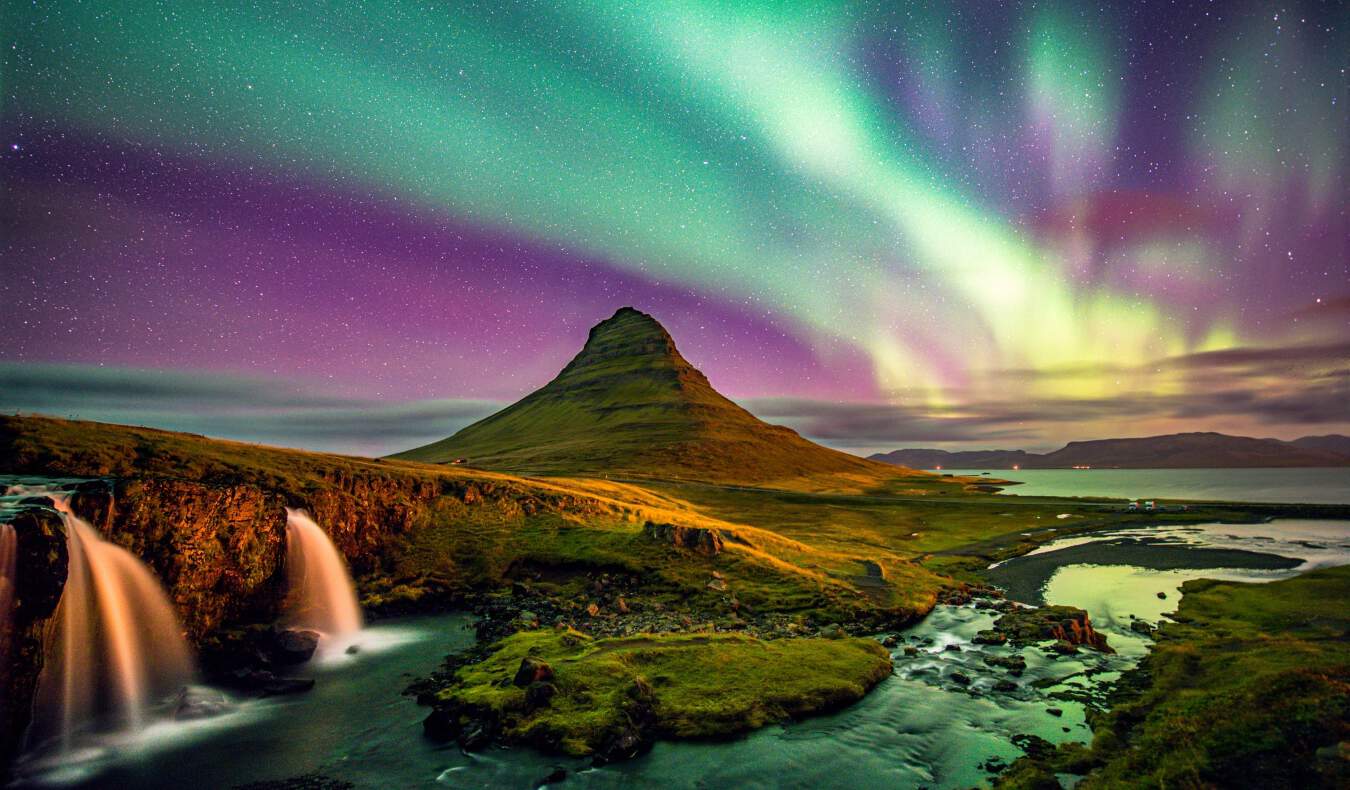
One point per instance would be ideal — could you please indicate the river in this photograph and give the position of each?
(920, 728)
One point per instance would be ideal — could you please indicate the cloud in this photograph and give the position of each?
(244, 408)
(1296, 388)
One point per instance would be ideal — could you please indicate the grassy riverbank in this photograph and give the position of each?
(1248, 687)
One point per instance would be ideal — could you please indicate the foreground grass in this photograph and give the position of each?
(670, 685)
(1249, 688)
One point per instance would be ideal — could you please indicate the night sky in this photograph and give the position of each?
(359, 227)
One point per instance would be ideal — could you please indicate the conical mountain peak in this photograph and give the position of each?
(628, 334)
(629, 403)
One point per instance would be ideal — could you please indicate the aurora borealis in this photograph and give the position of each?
(358, 226)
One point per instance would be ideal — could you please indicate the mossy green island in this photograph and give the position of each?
(647, 561)
(613, 696)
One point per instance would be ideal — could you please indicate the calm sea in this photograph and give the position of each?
(1320, 486)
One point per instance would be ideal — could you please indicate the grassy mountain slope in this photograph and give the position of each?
(630, 404)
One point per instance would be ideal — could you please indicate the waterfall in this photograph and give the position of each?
(321, 596)
(118, 648)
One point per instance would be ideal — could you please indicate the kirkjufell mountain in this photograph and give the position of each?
(630, 404)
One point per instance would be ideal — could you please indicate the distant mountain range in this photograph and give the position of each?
(1174, 451)
(630, 404)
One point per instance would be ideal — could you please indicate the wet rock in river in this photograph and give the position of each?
(1066, 624)
(1015, 665)
(1036, 747)
(990, 637)
(200, 703)
(294, 646)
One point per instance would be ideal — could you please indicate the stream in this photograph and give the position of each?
(924, 727)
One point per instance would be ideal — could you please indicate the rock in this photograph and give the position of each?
(624, 744)
(707, 542)
(1064, 648)
(911, 651)
(476, 735)
(952, 648)
(890, 641)
(1141, 627)
(961, 677)
(294, 646)
(559, 775)
(539, 694)
(352, 650)
(990, 637)
(1067, 624)
(196, 702)
(1036, 747)
(1162, 596)
(832, 631)
(281, 686)
(441, 725)
(1056, 712)
(1015, 665)
(532, 670)
(1005, 686)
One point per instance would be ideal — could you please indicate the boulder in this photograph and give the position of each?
(1015, 665)
(707, 542)
(539, 694)
(294, 646)
(533, 670)
(1065, 624)
(196, 702)
(990, 637)
(1035, 747)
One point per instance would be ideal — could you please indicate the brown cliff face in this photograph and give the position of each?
(41, 576)
(218, 550)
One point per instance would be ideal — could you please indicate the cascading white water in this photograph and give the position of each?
(117, 648)
(321, 595)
